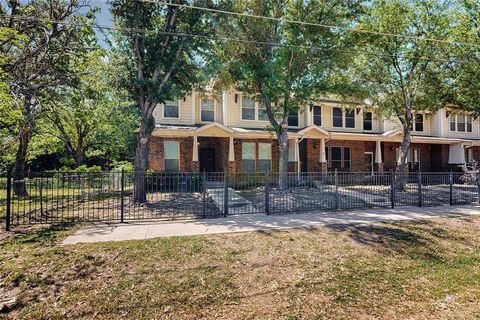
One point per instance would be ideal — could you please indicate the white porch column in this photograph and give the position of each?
(323, 155)
(231, 150)
(297, 152)
(378, 152)
(195, 149)
(224, 108)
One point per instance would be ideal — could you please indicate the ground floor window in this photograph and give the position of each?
(171, 152)
(256, 161)
(338, 158)
(413, 158)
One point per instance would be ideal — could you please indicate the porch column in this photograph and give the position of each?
(231, 155)
(323, 156)
(195, 162)
(296, 156)
(378, 157)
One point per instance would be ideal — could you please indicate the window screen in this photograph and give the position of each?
(337, 117)
(367, 121)
(317, 115)
(248, 108)
(171, 154)
(170, 109)
(350, 118)
(293, 118)
(208, 112)
(264, 156)
(419, 122)
(262, 112)
(248, 156)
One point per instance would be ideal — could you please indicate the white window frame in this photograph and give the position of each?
(344, 118)
(455, 116)
(363, 120)
(414, 122)
(254, 154)
(163, 110)
(257, 104)
(269, 158)
(321, 115)
(214, 113)
(255, 113)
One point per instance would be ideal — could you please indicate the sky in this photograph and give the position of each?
(103, 18)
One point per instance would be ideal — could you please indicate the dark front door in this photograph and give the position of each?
(207, 159)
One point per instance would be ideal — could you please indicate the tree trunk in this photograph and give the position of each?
(141, 160)
(282, 137)
(19, 187)
(78, 158)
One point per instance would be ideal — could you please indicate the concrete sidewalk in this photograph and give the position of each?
(257, 222)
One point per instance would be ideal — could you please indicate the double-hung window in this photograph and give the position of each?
(171, 154)
(262, 112)
(367, 121)
(207, 110)
(293, 118)
(248, 156)
(171, 109)
(317, 115)
(339, 158)
(343, 118)
(461, 123)
(418, 122)
(248, 108)
(264, 157)
(337, 117)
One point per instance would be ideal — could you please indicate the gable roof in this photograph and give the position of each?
(214, 129)
(314, 132)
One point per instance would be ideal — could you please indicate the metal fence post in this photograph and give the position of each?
(122, 196)
(392, 189)
(9, 200)
(336, 189)
(225, 195)
(450, 180)
(204, 192)
(420, 200)
(267, 193)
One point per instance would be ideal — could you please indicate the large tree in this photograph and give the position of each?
(54, 33)
(402, 73)
(162, 62)
(286, 65)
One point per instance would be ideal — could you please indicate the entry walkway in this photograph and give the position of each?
(258, 222)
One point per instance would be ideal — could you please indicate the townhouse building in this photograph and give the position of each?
(204, 132)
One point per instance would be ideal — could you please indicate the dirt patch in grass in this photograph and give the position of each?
(405, 270)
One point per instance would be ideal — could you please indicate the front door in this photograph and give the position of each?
(207, 160)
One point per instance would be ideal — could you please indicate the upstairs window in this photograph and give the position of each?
(317, 115)
(343, 118)
(171, 155)
(248, 108)
(418, 126)
(262, 112)
(461, 123)
(350, 118)
(293, 118)
(367, 121)
(171, 109)
(337, 117)
(207, 110)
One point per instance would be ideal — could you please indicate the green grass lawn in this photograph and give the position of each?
(406, 270)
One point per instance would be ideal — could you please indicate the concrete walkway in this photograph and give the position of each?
(258, 222)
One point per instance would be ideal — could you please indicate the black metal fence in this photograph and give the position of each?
(107, 196)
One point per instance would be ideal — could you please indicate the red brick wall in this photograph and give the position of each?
(433, 157)
(155, 155)
(357, 152)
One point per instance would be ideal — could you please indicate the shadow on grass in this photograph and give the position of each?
(417, 240)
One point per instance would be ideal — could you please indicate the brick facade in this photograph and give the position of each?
(433, 157)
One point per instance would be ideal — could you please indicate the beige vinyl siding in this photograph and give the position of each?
(456, 134)
(185, 113)
(234, 114)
